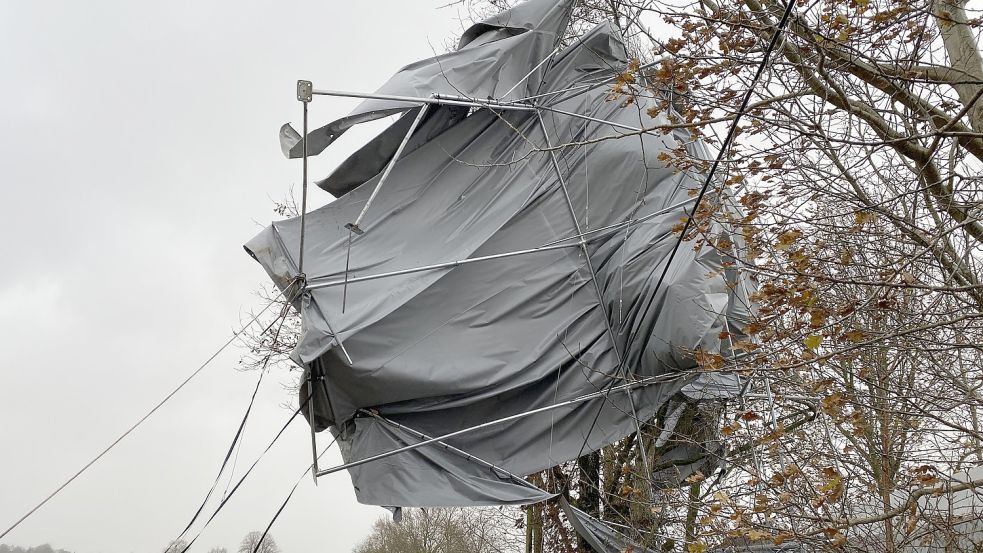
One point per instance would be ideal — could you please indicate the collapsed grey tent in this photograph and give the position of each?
(496, 58)
(509, 264)
(601, 537)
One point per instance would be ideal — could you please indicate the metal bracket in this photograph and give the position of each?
(354, 228)
(305, 91)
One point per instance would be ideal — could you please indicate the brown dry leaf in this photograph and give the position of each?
(730, 428)
(854, 336)
(744, 345)
(750, 416)
(782, 538)
(787, 238)
(817, 318)
(757, 535)
(863, 217)
(708, 361)
(912, 522)
(833, 404)
(761, 503)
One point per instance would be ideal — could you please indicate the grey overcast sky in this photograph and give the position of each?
(138, 151)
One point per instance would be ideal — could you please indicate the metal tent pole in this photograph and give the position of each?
(389, 167)
(437, 99)
(467, 456)
(600, 303)
(554, 245)
(581, 399)
(304, 95)
(353, 227)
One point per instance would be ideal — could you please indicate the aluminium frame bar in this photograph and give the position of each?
(424, 109)
(435, 266)
(452, 100)
(554, 245)
(587, 397)
(643, 451)
(353, 227)
(467, 456)
(304, 96)
(548, 58)
(439, 99)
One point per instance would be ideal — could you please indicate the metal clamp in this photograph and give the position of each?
(305, 91)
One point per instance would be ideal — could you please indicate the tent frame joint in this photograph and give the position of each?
(305, 91)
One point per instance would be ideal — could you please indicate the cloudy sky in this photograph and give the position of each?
(138, 152)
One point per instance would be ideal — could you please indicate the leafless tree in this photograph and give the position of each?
(442, 531)
(176, 546)
(251, 543)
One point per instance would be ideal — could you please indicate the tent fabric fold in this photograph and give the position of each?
(441, 350)
(453, 480)
(601, 537)
(493, 60)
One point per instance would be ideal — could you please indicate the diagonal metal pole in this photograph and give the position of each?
(467, 456)
(600, 302)
(449, 435)
(533, 70)
(389, 167)
(599, 233)
(353, 227)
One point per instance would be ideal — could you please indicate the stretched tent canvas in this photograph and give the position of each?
(549, 228)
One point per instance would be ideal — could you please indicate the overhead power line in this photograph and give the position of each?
(731, 132)
(139, 422)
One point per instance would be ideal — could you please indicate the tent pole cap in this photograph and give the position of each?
(305, 91)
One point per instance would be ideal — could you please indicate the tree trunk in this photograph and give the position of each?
(590, 496)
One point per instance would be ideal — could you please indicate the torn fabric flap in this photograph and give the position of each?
(494, 60)
(601, 537)
(430, 476)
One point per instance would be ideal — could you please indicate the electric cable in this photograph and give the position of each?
(139, 422)
(249, 471)
(731, 132)
(242, 424)
(290, 495)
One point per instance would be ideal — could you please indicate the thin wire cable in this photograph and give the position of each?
(291, 494)
(139, 422)
(225, 462)
(706, 184)
(249, 471)
(724, 148)
(245, 418)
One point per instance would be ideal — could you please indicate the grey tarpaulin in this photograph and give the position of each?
(599, 535)
(492, 58)
(442, 350)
